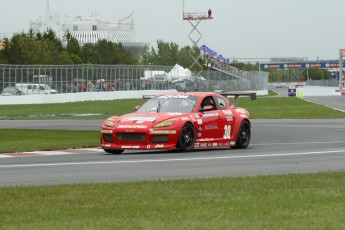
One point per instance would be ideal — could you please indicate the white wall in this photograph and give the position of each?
(74, 97)
(89, 96)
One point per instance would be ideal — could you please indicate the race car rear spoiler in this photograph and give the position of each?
(237, 95)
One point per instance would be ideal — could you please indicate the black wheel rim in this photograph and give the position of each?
(187, 136)
(245, 134)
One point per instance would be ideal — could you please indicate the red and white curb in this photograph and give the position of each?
(52, 153)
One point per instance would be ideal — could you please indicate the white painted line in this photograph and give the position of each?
(301, 143)
(5, 156)
(52, 153)
(172, 160)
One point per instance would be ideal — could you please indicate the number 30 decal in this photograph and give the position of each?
(227, 130)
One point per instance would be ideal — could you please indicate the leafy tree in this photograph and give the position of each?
(89, 54)
(169, 54)
(73, 46)
(246, 66)
(317, 74)
(65, 58)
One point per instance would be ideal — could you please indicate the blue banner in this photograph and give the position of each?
(301, 65)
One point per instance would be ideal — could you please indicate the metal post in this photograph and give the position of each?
(340, 70)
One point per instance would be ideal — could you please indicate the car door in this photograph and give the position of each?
(226, 120)
(210, 122)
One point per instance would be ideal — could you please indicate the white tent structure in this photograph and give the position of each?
(178, 73)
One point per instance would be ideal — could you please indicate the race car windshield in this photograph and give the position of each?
(174, 103)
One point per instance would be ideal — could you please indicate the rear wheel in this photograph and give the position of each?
(187, 138)
(244, 135)
(114, 151)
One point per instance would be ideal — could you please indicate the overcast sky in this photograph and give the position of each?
(240, 28)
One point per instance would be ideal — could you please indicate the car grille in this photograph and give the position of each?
(108, 138)
(131, 136)
(160, 139)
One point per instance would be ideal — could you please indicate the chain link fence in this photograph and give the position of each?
(37, 79)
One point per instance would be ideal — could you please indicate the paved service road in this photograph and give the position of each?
(277, 147)
(335, 102)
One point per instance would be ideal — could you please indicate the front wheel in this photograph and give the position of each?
(114, 151)
(187, 138)
(244, 135)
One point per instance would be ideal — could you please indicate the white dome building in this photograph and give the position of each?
(91, 29)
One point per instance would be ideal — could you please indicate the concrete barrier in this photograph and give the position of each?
(76, 97)
(87, 96)
(318, 91)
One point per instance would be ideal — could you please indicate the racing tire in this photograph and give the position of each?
(244, 136)
(114, 151)
(187, 138)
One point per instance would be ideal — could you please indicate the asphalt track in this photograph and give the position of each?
(277, 147)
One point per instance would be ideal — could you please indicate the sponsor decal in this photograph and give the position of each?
(185, 119)
(227, 112)
(244, 116)
(106, 131)
(151, 131)
(214, 144)
(209, 145)
(132, 126)
(107, 145)
(199, 128)
(140, 119)
(148, 146)
(227, 131)
(199, 134)
(232, 142)
(197, 145)
(211, 127)
(196, 115)
(210, 115)
(229, 118)
(206, 139)
(199, 121)
(174, 114)
(172, 96)
(159, 146)
(203, 145)
(130, 147)
(243, 111)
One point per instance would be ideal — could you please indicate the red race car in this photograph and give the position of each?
(181, 121)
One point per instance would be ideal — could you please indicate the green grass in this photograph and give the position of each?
(306, 201)
(262, 108)
(63, 110)
(30, 140)
(287, 108)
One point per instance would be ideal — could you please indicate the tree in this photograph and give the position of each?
(318, 74)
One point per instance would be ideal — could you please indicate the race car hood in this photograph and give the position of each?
(145, 119)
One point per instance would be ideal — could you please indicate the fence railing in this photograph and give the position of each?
(94, 78)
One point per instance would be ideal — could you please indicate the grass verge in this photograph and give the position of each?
(307, 201)
(30, 140)
(262, 108)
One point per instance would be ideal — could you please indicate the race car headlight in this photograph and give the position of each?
(109, 123)
(164, 124)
